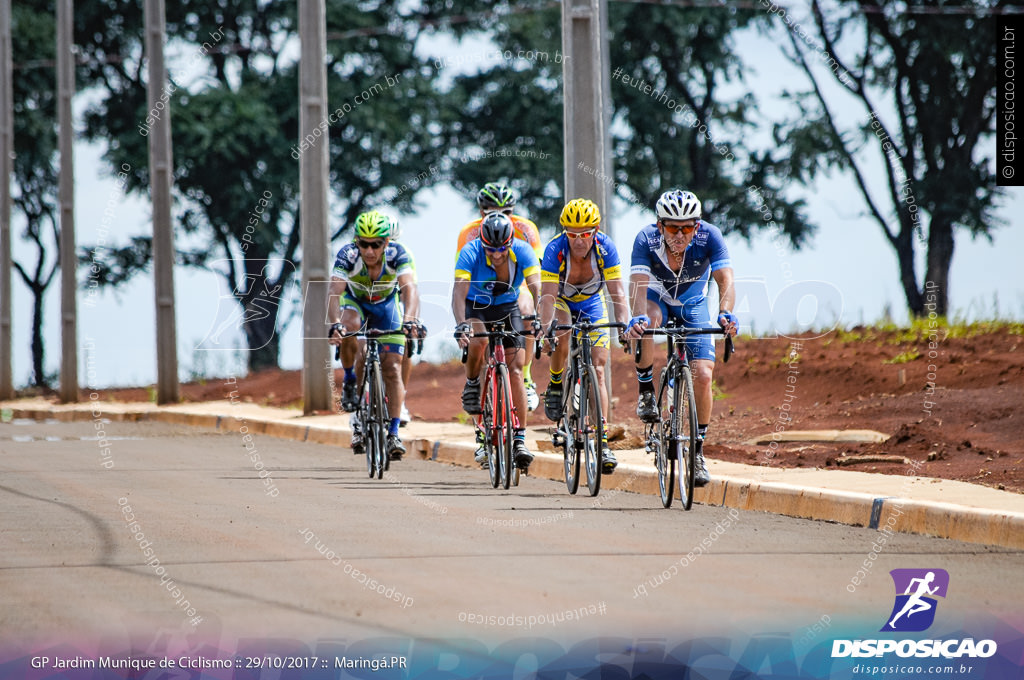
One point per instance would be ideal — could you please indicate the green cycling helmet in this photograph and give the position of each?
(494, 195)
(373, 224)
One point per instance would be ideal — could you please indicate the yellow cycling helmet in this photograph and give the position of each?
(580, 213)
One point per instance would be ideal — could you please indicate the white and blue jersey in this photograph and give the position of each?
(689, 287)
(474, 265)
(682, 294)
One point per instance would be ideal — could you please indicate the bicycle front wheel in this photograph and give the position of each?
(591, 428)
(503, 433)
(660, 439)
(487, 427)
(378, 410)
(684, 433)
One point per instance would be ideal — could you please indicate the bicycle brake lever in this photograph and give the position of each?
(729, 349)
(337, 352)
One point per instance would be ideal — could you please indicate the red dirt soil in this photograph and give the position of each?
(958, 412)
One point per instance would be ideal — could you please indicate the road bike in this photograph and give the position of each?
(372, 416)
(673, 437)
(580, 430)
(498, 419)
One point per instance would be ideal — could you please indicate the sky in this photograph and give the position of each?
(846, 275)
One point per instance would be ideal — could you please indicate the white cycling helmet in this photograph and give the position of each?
(678, 205)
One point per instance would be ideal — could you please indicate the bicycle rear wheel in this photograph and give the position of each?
(591, 428)
(503, 424)
(684, 433)
(664, 457)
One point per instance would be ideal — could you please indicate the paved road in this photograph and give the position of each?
(314, 550)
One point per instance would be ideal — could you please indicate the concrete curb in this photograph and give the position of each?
(893, 514)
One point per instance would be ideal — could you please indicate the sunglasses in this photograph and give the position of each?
(503, 211)
(580, 234)
(372, 245)
(499, 249)
(676, 228)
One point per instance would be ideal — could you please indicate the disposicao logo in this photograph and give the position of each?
(912, 612)
(916, 590)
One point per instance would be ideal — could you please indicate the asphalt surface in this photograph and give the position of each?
(313, 549)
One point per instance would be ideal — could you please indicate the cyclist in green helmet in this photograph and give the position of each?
(373, 287)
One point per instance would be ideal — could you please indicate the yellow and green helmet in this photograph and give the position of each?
(373, 224)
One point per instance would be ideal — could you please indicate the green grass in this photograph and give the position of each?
(925, 329)
(904, 357)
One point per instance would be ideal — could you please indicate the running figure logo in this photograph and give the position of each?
(914, 609)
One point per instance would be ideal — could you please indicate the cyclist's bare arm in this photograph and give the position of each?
(546, 311)
(460, 291)
(638, 288)
(410, 296)
(533, 284)
(617, 295)
(726, 291)
(337, 289)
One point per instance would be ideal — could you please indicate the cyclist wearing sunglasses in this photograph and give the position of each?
(672, 263)
(488, 275)
(373, 285)
(578, 265)
(495, 197)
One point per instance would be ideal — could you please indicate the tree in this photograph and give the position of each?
(33, 34)
(934, 69)
(235, 132)
(680, 133)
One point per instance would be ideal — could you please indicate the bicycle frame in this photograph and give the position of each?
(498, 419)
(373, 406)
(665, 438)
(575, 432)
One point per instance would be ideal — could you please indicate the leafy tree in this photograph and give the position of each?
(34, 194)
(934, 67)
(235, 131)
(698, 142)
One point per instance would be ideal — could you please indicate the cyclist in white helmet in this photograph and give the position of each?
(673, 260)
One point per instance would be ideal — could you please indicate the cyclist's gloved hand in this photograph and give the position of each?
(335, 328)
(538, 330)
(462, 334)
(550, 337)
(729, 321)
(637, 325)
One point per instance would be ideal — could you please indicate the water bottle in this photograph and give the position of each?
(576, 396)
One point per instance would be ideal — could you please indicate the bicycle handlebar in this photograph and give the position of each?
(417, 342)
(495, 330)
(681, 332)
(580, 326)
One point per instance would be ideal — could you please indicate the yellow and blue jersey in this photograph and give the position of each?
(474, 265)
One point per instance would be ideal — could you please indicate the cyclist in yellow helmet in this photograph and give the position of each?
(578, 266)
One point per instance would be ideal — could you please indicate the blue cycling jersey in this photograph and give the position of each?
(474, 265)
(689, 286)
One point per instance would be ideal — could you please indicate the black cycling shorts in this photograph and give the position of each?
(507, 312)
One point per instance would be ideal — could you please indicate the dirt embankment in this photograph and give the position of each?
(954, 404)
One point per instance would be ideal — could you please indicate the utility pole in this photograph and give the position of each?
(313, 168)
(161, 168)
(6, 168)
(587, 114)
(587, 107)
(68, 268)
